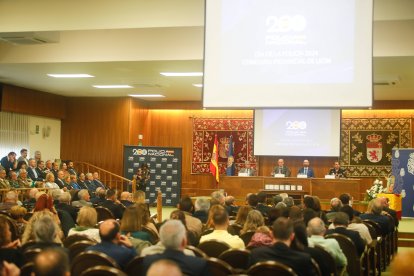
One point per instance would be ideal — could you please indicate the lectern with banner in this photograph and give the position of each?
(165, 171)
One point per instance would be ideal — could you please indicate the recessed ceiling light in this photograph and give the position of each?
(146, 95)
(197, 84)
(113, 86)
(182, 74)
(70, 76)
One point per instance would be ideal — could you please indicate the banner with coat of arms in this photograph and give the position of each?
(366, 144)
(204, 130)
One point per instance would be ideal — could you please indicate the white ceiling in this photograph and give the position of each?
(132, 41)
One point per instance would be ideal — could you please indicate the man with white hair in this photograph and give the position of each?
(126, 199)
(201, 205)
(173, 236)
(89, 182)
(84, 199)
(9, 201)
(316, 231)
(4, 183)
(64, 205)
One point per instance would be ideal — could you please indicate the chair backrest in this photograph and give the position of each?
(374, 224)
(234, 229)
(197, 251)
(270, 268)
(237, 258)
(373, 233)
(213, 248)
(246, 237)
(30, 254)
(27, 269)
(134, 267)
(89, 259)
(207, 231)
(154, 236)
(75, 238)
(350, 251)
(78, 247)
(218, 267)
(104, 213)
(328, 259)
(102, 270)
(316, 267)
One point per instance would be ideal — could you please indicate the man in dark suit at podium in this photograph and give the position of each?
(337, 171)
(306, 170)
(281, 168)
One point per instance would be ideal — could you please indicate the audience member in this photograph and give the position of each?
(31, 201)
(84, 199)
(81, 181)
(221, 223)
(374, 213)
(289, 202)
(262, 237)
(217, 197)
(32, 172)
(23, 156)
(9, 249)
(100, 196)
(336, 205)
(340, 222)
(201, 205)
(22, 179)
(126, 199)
(253, 200)
(86, 224)
(60, 179)
(253, 221)
(71, 169)
(97, 181)
(193, 224)
(52, 262)
(164, 267)
(18, 213)
(113, 204)
(9, 162)
(89, 182)
(73, 184)
(230, 206)
(173, 237)
(50, 182)
(14, 181)
(114, 244)
(4, 183)
(386, 208)
(261, 205)
(277, 199)
(64, 204)
(316, 231)
(241, 216)
(138, 197)
(312, 202)
(45, 233)
(10, 200)
(40, 167)
(283, 235)
(132, 222)
(192, 238)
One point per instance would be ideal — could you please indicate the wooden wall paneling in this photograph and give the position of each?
(95, 131)
(27, 101)
(138, 114)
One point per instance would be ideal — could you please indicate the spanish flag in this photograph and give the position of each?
(214, 169)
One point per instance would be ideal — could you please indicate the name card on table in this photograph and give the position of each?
(243, 174)
(330, 176)
(302, 176)
(279, 175)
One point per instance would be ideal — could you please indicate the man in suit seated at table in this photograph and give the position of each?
(248, 170)
(281, 252)
(281, 168)
(306, 170)
(337, 171)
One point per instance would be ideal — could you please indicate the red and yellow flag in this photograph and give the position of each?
(214, 169)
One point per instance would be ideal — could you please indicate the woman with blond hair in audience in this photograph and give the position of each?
(263, 236)
(132, 222)
(242, 215)
(50, 182)
(86, 224)
(138, 197)
(28, 234)
(18, 213)
(254, 220)
(145, 217)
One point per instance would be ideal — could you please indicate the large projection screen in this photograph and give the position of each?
(297, 132)
(288, 53)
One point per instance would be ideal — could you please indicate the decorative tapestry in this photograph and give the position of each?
(204, 130)
(366, 144)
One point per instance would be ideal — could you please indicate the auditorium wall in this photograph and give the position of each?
(46, 139)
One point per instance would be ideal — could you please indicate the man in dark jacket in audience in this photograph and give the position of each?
(113, 204)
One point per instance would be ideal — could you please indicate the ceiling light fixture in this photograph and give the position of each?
(146, 95)
(113, 86)
(70, 76)
(197, 84)
(182, 74)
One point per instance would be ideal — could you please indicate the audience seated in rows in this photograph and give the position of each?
(52, 262)
(10, 200)
(253, 221)
(173, 238)
(201, 205)
(132, 222)
(112, 204)
(84, 199)
(374, 213)
(9, 249)
(193, 224)
(164, 267)
(126, 199)
(336, 205)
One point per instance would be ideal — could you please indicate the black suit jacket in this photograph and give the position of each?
(339, 173)
(300, 262)
(31, 174)
(60, 183)
(116, 209)
(393, 214)
(264, 209)
(319, 259)
(353, 235)
(189, 265)
(73, 211)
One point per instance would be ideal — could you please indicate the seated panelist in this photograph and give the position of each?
(281, 168)
(337, 171)
(248, 169)
(306, 170)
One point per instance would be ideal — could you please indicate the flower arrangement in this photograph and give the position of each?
(375, 189)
